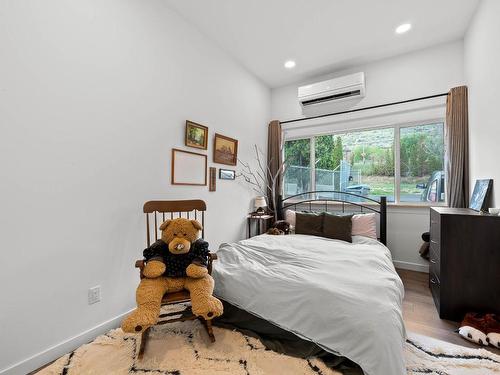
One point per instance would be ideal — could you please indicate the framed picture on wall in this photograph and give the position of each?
(188, 168)
(196, 135)
(225, 150)
(480, 195)
(212, 183)
(227, 174)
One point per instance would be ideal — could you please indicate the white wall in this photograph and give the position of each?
(93, 96)
(431, 71)
(482, 61)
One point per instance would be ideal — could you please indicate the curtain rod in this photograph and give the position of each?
(365, 108)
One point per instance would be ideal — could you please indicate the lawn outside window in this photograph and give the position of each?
(403, 162)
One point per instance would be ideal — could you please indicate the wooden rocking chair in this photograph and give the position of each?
(189, 209)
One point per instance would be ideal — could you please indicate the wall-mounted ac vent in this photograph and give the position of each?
(333, 90)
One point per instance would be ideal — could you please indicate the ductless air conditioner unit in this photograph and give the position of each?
(334, 90)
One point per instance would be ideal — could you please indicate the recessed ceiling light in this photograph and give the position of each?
(290, 64)
(403, 28)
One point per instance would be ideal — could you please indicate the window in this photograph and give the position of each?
(357, 162)
(297, 177)
(402, 163)
(421, 160)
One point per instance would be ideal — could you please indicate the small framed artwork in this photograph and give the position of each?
(212, 179)
(480, 195)
(225, 150)
(227, 174)
(196, 135)
(188, 168)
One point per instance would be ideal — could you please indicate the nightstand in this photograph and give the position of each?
(260, 222)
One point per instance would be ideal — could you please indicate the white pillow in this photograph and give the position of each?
(364, 225)
(290, 218)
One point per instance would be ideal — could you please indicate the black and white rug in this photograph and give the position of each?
(184, 349)
(426, 355)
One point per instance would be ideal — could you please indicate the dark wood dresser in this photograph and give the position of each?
(464, 273)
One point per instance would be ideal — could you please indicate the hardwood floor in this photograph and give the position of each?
(420, 314)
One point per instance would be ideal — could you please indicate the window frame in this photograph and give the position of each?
(397, 155)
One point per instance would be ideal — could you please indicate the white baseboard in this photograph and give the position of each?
(48, 355)
(411, 266)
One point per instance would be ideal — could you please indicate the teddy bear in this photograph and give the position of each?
(279, 227)
(175, 262)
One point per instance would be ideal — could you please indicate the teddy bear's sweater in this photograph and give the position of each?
(176, 264)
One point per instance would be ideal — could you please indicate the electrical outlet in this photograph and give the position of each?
(94, 294)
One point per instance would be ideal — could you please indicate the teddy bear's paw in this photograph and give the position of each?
(154, 269)
(195, 271)
(138, 322)
(208, 309)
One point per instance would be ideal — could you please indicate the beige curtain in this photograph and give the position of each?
(274, 158)
(457, 147)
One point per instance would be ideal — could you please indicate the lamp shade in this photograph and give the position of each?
(260, 202)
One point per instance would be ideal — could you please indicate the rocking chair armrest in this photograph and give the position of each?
(211, 258)
(141, 263)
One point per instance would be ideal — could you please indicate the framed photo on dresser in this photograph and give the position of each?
(481, 194)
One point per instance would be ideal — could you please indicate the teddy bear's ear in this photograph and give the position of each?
(196, 224)
(165, 224)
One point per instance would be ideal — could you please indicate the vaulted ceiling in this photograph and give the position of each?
(322, 35)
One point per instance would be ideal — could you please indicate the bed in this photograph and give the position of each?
(346, 298)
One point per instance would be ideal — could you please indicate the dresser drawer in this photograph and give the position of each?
(435, 264)
(435, 227)
(435, 246)
(435, 286)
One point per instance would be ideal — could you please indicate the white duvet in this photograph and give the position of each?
(345, 297)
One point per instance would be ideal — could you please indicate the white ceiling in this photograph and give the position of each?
(322, 35)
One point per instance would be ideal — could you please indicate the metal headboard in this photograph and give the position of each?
(361, 202)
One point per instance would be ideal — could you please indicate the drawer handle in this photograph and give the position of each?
(434, 242)
(433, 281)
(433, 261)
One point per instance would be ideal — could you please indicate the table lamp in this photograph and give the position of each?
(260, 205)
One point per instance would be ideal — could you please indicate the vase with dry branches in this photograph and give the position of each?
(257, 177)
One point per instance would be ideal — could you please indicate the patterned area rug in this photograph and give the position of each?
(184, 349)
(426, 355)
